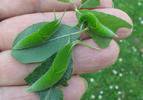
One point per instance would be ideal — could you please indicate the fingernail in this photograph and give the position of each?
(85, 83)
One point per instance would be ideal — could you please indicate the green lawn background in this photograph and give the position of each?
(124, 79)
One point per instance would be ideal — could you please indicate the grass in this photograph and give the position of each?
(124, 79)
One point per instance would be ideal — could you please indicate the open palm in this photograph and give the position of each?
(16, 15)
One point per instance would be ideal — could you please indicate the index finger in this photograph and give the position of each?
(11, 27)
(9, 8)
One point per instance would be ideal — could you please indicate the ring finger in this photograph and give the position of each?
(85, 59)
(73, 91)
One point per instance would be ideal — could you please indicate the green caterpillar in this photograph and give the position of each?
(91, 21)
(56, 71)
(40, 36)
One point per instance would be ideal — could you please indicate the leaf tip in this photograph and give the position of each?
(29, 89)
(15, 47)
(116, 36)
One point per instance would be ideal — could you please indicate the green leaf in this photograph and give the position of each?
(39, 36)
(112, 22)
(42, 52)
(101, 41)
(51, 94)
(39, 71)
(67, 1)
(90, 3)
(56, 71)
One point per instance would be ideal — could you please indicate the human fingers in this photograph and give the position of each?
(10, 8)
(73, 91)
(106, 3)
(11, 27)
(85, 60)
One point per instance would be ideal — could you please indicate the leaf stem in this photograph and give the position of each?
(85, 44)
(79, 32)
(76, 10)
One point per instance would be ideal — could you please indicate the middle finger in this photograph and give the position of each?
(85, 60)
(11, 27)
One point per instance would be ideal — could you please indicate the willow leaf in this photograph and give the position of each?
(101, 41)
(112, 22)
(42, 52)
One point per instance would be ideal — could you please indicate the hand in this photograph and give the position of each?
(12, 72)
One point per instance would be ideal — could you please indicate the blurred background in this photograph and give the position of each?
(124, 79)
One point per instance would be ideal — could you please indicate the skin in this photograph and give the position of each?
(18, 15)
